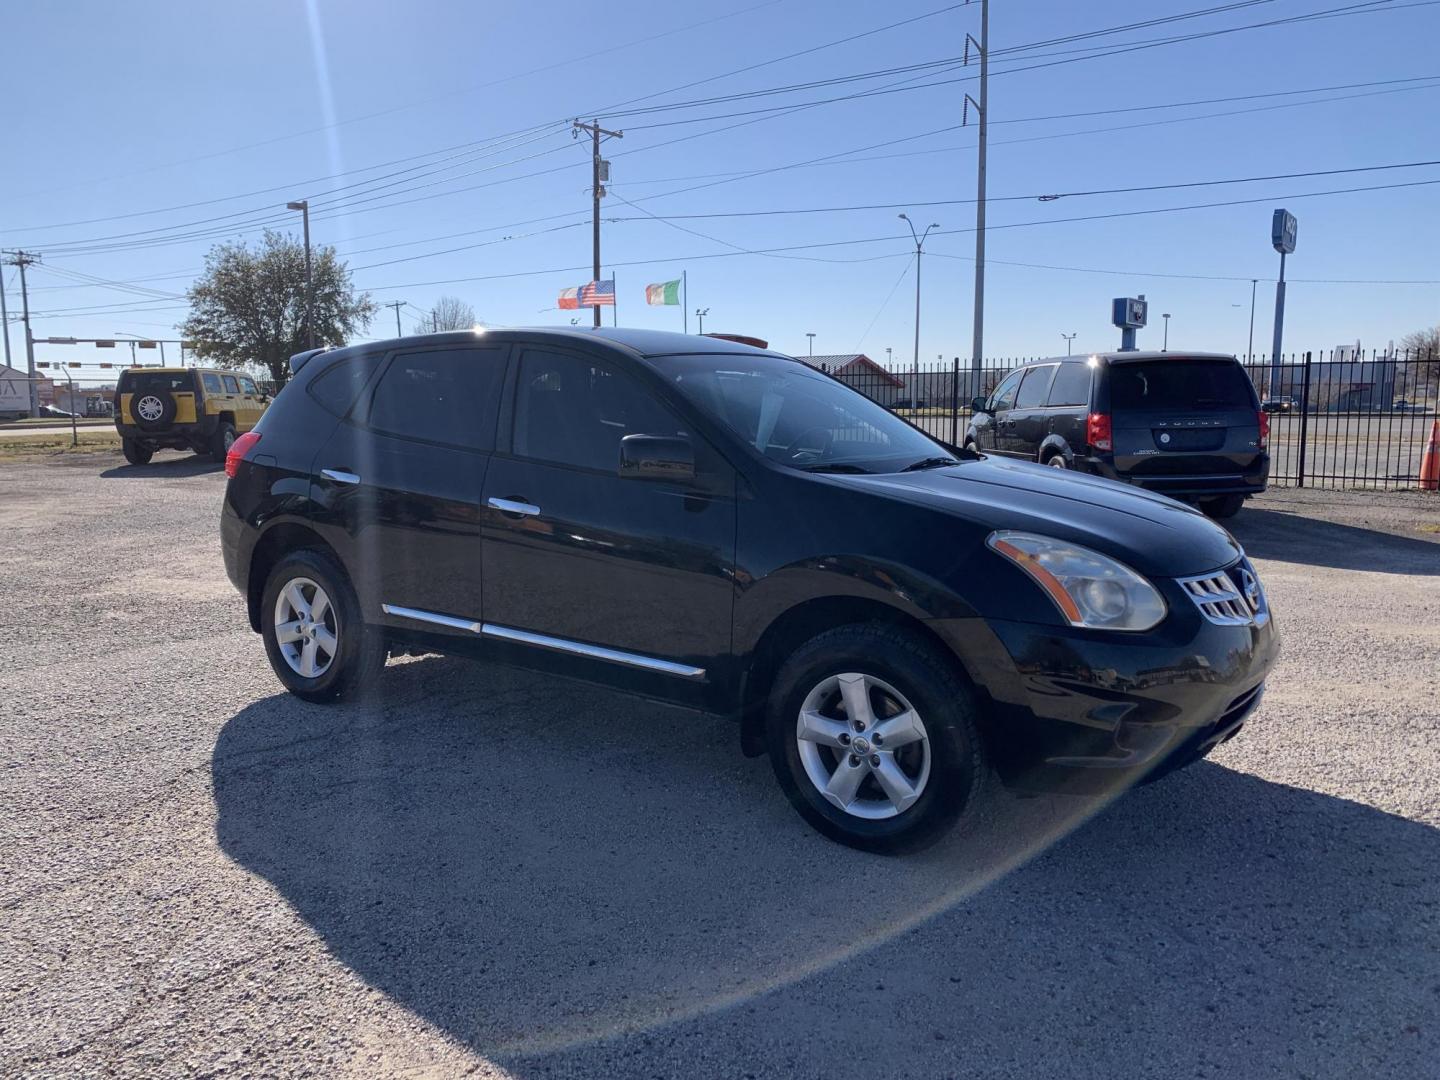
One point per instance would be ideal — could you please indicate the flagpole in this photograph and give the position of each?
(685, 298)
(615, 307)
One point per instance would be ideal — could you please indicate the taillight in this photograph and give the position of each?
(1264, 428)
(1097, 431)
(238, 449)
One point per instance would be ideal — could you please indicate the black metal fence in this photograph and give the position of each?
(1343, 419)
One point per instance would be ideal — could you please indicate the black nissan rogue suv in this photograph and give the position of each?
(891, 619)
(1185, 424)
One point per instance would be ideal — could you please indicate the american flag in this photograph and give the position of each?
(598, 294)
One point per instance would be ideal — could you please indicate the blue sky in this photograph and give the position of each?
(142, 106)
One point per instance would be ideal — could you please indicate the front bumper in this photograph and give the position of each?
(1083, 711)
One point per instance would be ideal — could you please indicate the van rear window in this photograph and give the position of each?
(1180, 384)
(170, 382)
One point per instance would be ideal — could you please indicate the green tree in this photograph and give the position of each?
(249, 305)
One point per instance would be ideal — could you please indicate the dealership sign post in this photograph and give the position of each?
(1283, 227)
(1128, 313)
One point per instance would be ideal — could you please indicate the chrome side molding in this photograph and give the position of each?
(545, 641)
(596, 652)
(431, 617)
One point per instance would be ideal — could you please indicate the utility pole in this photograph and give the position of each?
(4, 317)
(977, 346)
(597, 191)
(1250, 349)
(303, 205)
(397, 305)
(919, 249)
(23, 259)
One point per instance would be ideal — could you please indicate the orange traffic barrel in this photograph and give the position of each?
(1430, 462)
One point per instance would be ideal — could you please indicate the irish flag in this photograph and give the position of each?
(663, 292)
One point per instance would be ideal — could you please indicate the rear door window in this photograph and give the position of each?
(1036, 387)
(212, 383)
(1071, 385)
(448, 396)
(1180, 385)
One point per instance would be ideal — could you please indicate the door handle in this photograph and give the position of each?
(517, 507)
(340, 476)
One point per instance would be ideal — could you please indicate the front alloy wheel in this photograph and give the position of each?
(871, 733)
(863, 745)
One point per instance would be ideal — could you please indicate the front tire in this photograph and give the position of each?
(1227, 506)
(136, 452)
(871, 733)
(222, 440)
(318, 644)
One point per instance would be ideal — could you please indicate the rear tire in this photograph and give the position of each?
(937, 771)
(1057, 460)
(136, 452)
(1227, 506)
(328, 653)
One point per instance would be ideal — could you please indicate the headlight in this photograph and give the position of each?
(1090, 589)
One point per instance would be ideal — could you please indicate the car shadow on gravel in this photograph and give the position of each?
(169, 468)
(1299, 538)
(565, 880)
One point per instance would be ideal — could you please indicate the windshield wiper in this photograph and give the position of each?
(930, 463)
(834, 467)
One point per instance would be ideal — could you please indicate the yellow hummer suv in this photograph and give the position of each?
(198, 409)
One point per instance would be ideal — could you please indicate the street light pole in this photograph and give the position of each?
(919, 250)
(1165, 346)
(700, 314)
(811, 336)
(1068, 339)
(303, 205)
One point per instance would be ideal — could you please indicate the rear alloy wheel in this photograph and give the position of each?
(871, 734)
(318, 644)
(136, 452)
(1227, 506)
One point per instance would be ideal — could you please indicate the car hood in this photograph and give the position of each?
(1154, 534)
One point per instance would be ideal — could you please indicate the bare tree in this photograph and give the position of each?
(1425, 343)
(449, 313)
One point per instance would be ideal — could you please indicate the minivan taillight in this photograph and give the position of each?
(1264, 428)
(1097, 431)
(238, 449)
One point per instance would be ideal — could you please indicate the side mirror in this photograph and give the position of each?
(657, 457)
(977, 405)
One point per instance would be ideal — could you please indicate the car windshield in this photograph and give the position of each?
(1180, 384)
(799, 417)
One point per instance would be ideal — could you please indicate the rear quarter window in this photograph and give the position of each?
(212, 383)
(1071, 385)
(1180, 384)
(337, 387)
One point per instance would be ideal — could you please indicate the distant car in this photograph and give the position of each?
(55, 410)
(184, 409)
(1283, 403)
(1404, 405)
(1187, 425)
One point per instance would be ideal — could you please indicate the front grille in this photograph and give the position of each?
(1232, 597)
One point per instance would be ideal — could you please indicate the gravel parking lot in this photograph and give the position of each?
(491, 874)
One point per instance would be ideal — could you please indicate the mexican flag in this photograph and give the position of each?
(663, 292)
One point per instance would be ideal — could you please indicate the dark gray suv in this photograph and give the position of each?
(1187, 425)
